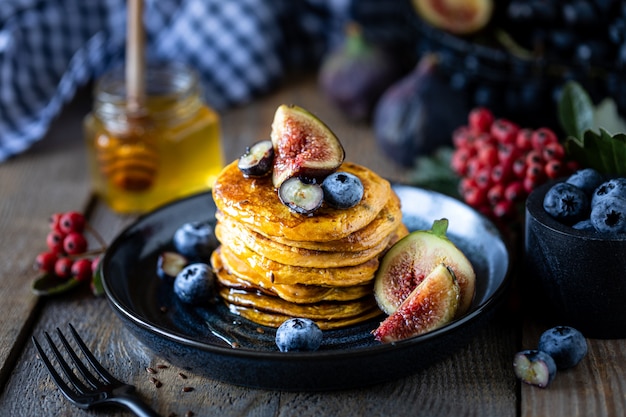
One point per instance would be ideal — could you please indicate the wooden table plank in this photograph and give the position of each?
(49, 177)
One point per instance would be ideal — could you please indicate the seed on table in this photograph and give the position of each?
(190, 414)
(187, 389)
(182, 376)
(151, 370)
(156, 382)
(161, 366)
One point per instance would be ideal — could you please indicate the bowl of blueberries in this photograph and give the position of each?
(575, 251)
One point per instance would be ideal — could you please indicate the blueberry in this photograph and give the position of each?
(610, 188)
(534, 367)
(584, 225)
(300, 195)
(342, 190)
(194, 284)
(195, 240)
(566, 345)
(587, 179)
(566, 203)
(608, 215)
(298, 335)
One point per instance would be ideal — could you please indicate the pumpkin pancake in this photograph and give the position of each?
(287, 274)
(296, 256)
(255, 202)
(387, 220)
(241, 276)
(327, 310)
(265, 318)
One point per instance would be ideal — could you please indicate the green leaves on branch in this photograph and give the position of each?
(596, 137)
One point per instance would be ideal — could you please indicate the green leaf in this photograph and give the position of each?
(576, 110)
(434, 173)
(96, 282)
(603, 152)
(607, 117)
(50, 284)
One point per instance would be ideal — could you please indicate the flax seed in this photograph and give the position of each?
(187, 389)
(161, 366)
(151, 370)
(182, 376)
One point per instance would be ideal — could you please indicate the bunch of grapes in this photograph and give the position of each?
(500, 163)
(67, 255)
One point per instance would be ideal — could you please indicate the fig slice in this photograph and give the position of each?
(432, 304)
(303, 146)
(415, 256)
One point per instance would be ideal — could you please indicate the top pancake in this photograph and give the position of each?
(255, 202)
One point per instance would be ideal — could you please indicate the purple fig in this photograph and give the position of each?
(417, 114)
(356, 73)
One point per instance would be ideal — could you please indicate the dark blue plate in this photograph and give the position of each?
(214, 342)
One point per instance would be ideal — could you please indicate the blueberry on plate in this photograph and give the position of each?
(169, 264)
(534, 367)
(615, 187)
(195, 284)
(566, 203)
(608, 215)
(298, 335)
(342, 190)
(566, 345)
(587, 179)
(195, 240)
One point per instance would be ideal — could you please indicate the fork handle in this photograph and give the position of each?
(135, 405)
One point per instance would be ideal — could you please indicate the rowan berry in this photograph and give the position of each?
(81, 269)
(480, 119)
(45, 261)
(553, 150)
(504, 131)
(542, 136)
(74, 243)
(54, 240)
(72, 221)
(523, 140)
(63, 267)
(554, 168)
(54, 221)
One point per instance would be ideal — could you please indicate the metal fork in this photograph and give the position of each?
(100, 388)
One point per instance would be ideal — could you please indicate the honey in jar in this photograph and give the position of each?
(168, 148)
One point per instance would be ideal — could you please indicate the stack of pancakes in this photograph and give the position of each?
(273, 264)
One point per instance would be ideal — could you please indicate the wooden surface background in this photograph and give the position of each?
(476, 381)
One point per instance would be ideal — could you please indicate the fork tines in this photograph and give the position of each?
(79, 388)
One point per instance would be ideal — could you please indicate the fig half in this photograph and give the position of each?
(460, 17)
(414, 257)
(303, 146)
(432, 304)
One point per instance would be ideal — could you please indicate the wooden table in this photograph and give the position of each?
(477, 380)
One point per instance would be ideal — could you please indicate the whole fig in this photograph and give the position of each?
(417, 114)
(356, 73)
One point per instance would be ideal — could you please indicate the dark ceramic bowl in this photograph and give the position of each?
(581, 274)
(203, 338)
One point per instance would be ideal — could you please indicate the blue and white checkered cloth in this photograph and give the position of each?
(241, 48)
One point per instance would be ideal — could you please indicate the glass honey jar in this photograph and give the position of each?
(167, 148)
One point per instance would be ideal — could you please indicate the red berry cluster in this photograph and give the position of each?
(67, 254)
(500, 163)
